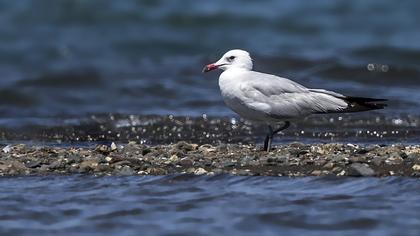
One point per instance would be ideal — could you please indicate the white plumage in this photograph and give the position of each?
(271, 99)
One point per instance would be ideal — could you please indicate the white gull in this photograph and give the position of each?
(270, 99)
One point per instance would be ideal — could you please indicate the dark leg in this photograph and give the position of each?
(269, 138)
(285, 126)
(266, 142)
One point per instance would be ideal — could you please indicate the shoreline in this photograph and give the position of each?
(294, 159)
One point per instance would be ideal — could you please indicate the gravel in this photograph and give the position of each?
(294, 159)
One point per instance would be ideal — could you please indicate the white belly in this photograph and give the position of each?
(231, 94)
(242, 110)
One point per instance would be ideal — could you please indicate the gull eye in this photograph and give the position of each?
(231, 58)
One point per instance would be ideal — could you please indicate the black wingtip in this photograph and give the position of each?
(363, 104)
(365, 100)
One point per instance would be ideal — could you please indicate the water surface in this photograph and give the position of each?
(76, 58)
(179, 205)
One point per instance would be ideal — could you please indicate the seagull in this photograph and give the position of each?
(273, 100)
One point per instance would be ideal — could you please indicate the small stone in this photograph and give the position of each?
(362, 151)
(207, 148)
(394, 160)
(416, 167)
(103, 168)
(56, 164)
(359, 169)
(18, 165)
(104, 149)
(337, 169)
(357, 159)
(320, 162)
(342, 173)
(414, 157)
(121, 163)
(113, 146)
(340, 158)
(325, 172)
(156, 171)
(228, 163)
(16, 148)
(174, 158)
(108, 159)
(186, 162)
(308, 162)
(132, 143)
(244, 172)
(329, 166)
(352, 145)
(316, 172)
(142, 172)
(218, 171)
(200, 171)
(7, 149)
(125, 170)
(146, 151)
(73, 158)
(378, 161)
(44, 168)
(207, 162)
(87, 165)
(246, 161)
(33, 164)
(222, 148)
(185, 147)
(297, 145)
(415, 174)
(296, 151)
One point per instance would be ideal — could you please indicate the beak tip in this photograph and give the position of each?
(209, 67)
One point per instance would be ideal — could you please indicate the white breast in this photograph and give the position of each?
(230, 82)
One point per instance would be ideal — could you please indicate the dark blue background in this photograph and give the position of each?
(73, 58)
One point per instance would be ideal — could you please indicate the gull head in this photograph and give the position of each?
(235, 58)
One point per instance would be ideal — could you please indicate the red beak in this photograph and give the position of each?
(210, 67)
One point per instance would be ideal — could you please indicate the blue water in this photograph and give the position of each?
(227, 205)
(76, 58)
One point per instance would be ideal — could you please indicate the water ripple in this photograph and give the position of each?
(208, 205)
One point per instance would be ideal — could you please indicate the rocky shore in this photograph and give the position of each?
(295, 159)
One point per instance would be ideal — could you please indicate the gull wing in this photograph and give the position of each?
(282, 98)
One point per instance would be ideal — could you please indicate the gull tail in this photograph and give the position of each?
(356, 104)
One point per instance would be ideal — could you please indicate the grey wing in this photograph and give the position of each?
(282, 98)
(337, 95)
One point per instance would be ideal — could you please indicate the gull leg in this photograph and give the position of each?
(266, 142)
(285, 126)
(269, 138)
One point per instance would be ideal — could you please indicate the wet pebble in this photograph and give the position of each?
(416, 167)
(200, 171)
(394, 160)
(294, 159)
(125, 170)
(359, 169)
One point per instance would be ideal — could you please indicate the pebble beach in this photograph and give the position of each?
(294, 159)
